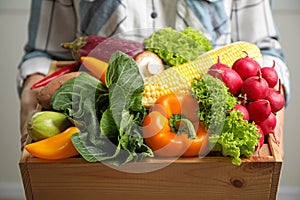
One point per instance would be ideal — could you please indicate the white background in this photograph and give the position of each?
(13, 34)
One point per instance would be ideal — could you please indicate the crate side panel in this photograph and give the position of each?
(275, 180)
(26, 180)
(176, 181)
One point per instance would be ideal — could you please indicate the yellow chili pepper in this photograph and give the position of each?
(59, 146)
(97, 67)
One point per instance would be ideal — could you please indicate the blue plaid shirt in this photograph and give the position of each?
(221, 21)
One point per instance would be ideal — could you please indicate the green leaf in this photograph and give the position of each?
(108, 125)
(109, 116)
(80, 97)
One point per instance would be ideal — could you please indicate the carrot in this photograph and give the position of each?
(96, 66)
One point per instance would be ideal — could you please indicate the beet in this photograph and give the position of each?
(243, 110)
(276, 99)
(268, 125)
(255, 87)
(229, 77)
(259, 110)
(246, 67)
(270, 75)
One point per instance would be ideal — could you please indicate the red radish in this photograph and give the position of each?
(219, 65)
(270, 75)
(246, 67)
(213, 70)
(268, 125)
(276, 99)
(259, 110)
(262, 139)
(243, 110)
(255, 87)
(229, 77)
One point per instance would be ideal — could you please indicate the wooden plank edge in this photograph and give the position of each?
(275, 151)
(208, 159)
(274, 148)
(275, 180)
(25, 176)
(265, 154)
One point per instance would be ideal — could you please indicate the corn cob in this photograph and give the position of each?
(177, 79)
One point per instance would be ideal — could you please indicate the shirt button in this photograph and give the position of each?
(153, 15)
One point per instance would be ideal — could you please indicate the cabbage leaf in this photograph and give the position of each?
(110, 116)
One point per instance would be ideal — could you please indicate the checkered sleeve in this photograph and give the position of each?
(50, 23)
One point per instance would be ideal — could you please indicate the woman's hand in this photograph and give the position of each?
(28, 104)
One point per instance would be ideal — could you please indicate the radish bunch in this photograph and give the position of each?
(255, 86)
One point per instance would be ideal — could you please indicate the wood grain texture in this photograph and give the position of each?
(186, 178)
(211, 180)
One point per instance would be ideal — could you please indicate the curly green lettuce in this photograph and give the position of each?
(238, 138)
(229, 133)
(214, 100)
(198, 38)
(175, 47)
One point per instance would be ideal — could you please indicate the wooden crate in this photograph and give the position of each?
(211, 177)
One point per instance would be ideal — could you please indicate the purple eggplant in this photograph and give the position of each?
(102, 47)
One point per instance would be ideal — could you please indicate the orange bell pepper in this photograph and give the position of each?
(172, 128)
(59, 146)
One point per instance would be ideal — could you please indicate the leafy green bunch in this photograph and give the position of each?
(229, 133)
(110, 116)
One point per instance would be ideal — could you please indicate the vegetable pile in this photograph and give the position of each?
(93, 108)
(258, 103)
